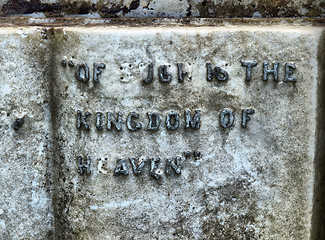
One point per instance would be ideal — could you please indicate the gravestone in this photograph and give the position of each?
(179, 132)
(161, 128)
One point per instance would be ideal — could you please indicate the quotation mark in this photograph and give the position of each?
(64, 63)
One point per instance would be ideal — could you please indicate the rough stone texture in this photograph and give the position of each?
(25, 197)
(165, 8)
(260, 182)
(253, 183)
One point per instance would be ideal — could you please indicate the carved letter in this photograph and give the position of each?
(153, 167)
(172, 120)
(82, 164)
(82, 76)
(219, 73)
(137, 169)
(98, 71)
(132, 126)
(82, 120)
(245, 116)
(175, 165)
(181, 73)
(121, 168)
(111, 119)
(226, 118)
(149, 79)
(164, 76)
(192, 122)
(99, 121)
(273, 71)
(248, 65)
(289, 71)
(154, 121)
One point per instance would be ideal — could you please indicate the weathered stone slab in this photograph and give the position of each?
(240, 153)
(243, 167)
(25, 129)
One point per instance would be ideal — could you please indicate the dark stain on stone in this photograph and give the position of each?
(236, 193)
(275, 8)
(67, 7)
(25, 7)
(206, 9)
(84, 8)
(134, 5)
(189, 10)
(112, 11)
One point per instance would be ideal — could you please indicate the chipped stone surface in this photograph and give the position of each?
(249, 183)
(258, 182)
(165, 8)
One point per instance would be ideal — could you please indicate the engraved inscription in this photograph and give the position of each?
(134, 121)
(83, 74)
(155, 165)
(171, 120)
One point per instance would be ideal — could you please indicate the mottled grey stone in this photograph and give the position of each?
(25, 133)
(165, 8)
(246, 183)
(69, 173)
